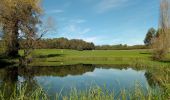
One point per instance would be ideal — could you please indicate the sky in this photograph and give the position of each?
(102, 21)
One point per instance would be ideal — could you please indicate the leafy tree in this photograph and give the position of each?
(150, 36)
(18, 17)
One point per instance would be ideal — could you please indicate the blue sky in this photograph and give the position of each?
(102, 21)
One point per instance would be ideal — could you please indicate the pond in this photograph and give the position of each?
(82, 77)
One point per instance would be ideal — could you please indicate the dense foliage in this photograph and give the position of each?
(62, 43)
(151, 34)
(18, 18)
(78, 44)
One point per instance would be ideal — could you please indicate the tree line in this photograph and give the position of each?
(62, 43)
(120, 47)
(78, 44)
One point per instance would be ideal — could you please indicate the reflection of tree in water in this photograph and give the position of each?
(28, 81)
(10, 82)
(57, 71)
(12, 77)
(9, 77)
(152, 80)
(9, 74)
(159, 77)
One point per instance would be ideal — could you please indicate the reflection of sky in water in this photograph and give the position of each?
(114, 79)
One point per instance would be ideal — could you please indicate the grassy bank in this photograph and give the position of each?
(54, 57)
(94, 93)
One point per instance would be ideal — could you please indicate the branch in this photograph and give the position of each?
(43, 33)
(3, 17)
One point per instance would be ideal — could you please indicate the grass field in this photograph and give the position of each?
(55, 57)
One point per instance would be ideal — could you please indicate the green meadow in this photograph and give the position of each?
(55, 57)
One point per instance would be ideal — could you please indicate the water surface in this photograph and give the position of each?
(81, 77)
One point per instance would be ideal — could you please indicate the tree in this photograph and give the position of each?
(162, 42)
(31, 39)
(61, 43)
(149, 37)
(18, 17)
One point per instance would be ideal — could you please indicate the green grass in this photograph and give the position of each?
(55, 57)
(95, 53)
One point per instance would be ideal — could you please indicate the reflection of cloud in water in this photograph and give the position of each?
(90, 74)
(113, 78)
(99, 72)
(21, 79)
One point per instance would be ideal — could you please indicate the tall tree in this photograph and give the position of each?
(18, 17)
(150, 36)
(162, 42)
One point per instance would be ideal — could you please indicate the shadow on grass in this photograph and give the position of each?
(6, 61)
(146, 53)
(166, 61)
(50, 55)
(54, 61)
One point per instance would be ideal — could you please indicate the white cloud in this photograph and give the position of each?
(90, 74)
(71, 28)
(74, 27)
(91, 39)
(84, 31)
(55, 11)
(81, 21)
(78, 21)
(106, 5)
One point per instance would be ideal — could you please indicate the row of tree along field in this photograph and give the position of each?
(61, 43)
(78, 44)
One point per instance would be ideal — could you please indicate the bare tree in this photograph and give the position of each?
(31, 39)
(162, 42)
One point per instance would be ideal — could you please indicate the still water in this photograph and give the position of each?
(81, 77)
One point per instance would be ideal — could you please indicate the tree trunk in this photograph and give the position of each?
(12, 44)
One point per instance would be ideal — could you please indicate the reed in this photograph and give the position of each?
(93, 93)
